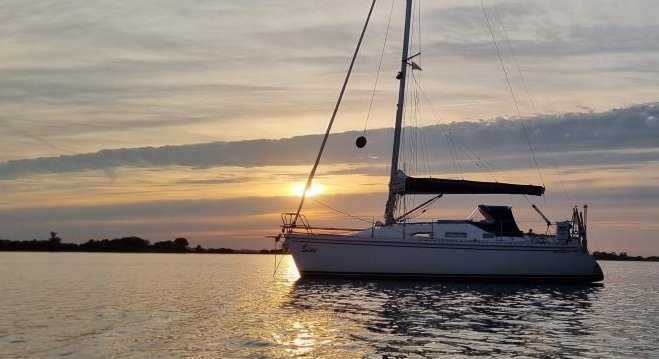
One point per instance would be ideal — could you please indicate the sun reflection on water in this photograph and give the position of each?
(300, 332)
(290, 271)
(231, 306)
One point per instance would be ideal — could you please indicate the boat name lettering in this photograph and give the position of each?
(307, 249)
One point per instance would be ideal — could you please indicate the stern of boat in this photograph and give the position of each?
(576, 230)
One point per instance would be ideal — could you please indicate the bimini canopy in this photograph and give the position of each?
(404, 184)
(498, 220)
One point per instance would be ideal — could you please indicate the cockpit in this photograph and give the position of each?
(496, 219)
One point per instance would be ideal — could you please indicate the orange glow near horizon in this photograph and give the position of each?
(315, 189)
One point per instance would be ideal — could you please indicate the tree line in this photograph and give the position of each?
(181, 245)
(124, 244)
(622, 256)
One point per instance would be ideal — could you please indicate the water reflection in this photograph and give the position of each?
(99, 305)
(393, 319)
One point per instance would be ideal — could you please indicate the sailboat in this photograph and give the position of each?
(490, 249)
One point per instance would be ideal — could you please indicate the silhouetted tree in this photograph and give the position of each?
(181, 243)
(167, 246)
(54, 239)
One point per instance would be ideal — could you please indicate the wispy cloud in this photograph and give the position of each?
(85, 75)
(578, 138)
(159, 117)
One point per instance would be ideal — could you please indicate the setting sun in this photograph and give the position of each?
(315, 189)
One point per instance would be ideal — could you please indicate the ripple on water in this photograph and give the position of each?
(209, 306)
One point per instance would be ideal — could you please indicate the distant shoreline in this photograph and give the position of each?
(181, 245)
(120, 245)
(207, 251)
(622, 256)
(280, 252)
(598, 255)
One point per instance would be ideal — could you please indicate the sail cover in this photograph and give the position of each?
(404, 184)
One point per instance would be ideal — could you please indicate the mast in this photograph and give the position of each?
(402, 77)
(336, 110)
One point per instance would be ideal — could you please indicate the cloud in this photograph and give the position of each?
(86, 75)
(562, 28)
(244, 222)
(154, 210)
(107, 102)
(617, 136)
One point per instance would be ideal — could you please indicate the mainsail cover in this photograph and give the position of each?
(404, 184)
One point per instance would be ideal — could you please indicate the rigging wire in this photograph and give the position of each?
(377, 76)
(478, 161)
(455, 144)
(530, 98)
(411, 137)
(419, 24)
(424, 167)
(512, 93)
(277, 263)
(512, 52)
(336, 110)
(340, 211)
(410, 141)
(451, 148)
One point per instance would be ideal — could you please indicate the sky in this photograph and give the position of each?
(166, 118)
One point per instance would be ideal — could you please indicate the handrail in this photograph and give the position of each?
(292, 220)
(339, 229)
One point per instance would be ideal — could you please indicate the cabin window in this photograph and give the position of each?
(488, 235)
(422, 234)
(455, 235)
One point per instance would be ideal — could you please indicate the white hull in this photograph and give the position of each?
(491, 249)
(502, 260)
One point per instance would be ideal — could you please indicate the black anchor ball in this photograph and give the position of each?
(361, 142)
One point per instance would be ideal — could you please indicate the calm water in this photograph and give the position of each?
(82, 305)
